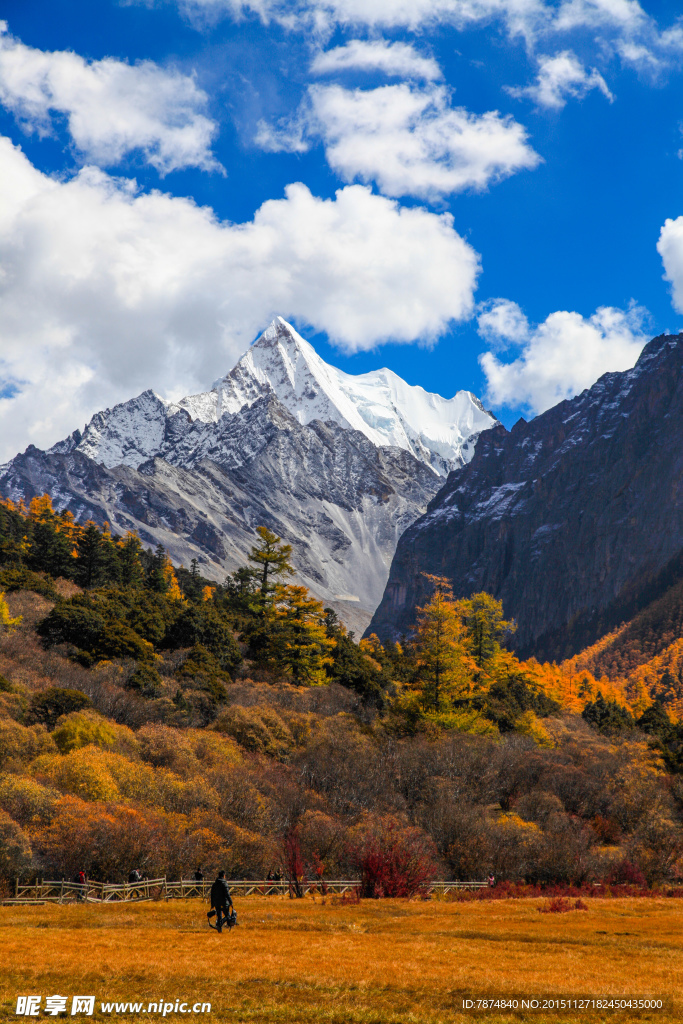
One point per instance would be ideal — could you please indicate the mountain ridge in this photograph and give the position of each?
(337, 465)
(562, 516)
(437, 431)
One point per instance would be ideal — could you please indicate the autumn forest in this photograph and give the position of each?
(153, 718)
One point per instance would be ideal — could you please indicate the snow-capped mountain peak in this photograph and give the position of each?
(440, 432)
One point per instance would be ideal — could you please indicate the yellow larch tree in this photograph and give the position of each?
(443, 662)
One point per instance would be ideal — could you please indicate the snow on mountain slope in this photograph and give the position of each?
(439, 432)
(338, 465)
(129, 433)
(339, 500)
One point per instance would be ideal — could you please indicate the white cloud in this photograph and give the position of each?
(105, 291)
(670, 248)
(529, 18)
(626, 15)
(288, 135)
(501, 321)
(324, 15)
(562, 356)
(399, 59)
(111, 108)
(408, 140)
(319, 19)
(560, 78)
(622, 27)
(619, 27)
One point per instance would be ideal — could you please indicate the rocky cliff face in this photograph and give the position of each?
(568, 518)
(339, 466)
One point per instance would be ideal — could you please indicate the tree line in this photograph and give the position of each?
(135, 606)
(160, 718)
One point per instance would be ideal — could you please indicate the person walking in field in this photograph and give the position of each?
(221, 903)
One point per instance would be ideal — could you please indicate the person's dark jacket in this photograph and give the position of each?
(220, 894)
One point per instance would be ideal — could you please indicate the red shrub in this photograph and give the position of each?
(294, 864)
(626, 873)
(557, 905)
(319, 871)
(395, 861)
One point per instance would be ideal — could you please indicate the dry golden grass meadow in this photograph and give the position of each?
(378, 962)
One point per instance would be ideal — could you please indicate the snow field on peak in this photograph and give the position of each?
(380, 404)
(439, 432)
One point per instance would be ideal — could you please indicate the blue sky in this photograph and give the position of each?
(480, 194)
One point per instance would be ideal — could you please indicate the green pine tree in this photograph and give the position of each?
(271, 557)
(157, 577)
(90, 556)
(131, 571)
(486, 627)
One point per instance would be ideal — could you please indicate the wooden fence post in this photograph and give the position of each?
(165, 889)
(16, 888)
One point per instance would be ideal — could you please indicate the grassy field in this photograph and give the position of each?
(379, 962)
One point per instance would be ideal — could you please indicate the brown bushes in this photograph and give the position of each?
(165, 796)
(15, 850)
(107, 840)
(257, 729)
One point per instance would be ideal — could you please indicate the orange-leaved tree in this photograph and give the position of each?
(444, 666)
(162, 578)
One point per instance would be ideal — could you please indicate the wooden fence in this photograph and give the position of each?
(41, 891)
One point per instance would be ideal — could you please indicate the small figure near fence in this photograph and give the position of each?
(222, 907)
(81, 881)
(199, 875)
(492, 881)
(134, 877)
